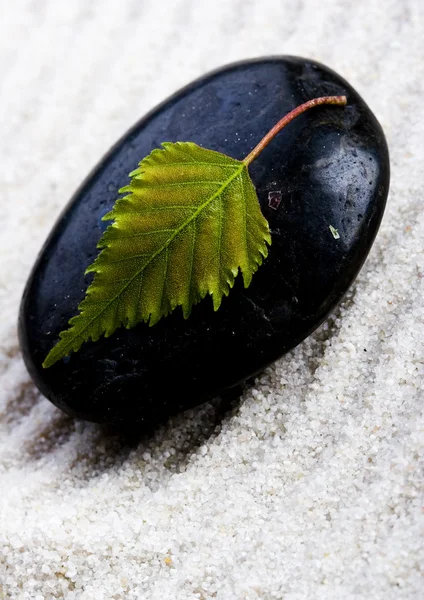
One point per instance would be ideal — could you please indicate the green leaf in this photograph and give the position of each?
(190, 220)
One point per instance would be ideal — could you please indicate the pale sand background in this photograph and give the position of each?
(310, 488)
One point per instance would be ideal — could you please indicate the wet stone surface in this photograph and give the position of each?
(328, 170)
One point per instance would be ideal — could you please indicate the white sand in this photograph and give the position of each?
(310, 488)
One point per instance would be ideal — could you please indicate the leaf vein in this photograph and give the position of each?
(120, 260)
(153, 209)
(174, 184)
(220, 236)
(193, 243)
(164, 278)
(202, 164)
(246, 248)
(138, 294)
(141, 234)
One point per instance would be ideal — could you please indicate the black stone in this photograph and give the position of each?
(328, 167)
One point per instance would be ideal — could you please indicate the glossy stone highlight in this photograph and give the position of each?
(328, 170)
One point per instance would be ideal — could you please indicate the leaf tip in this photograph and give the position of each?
(217, 300)
(50, 359)
(186, 311)
(108, 216)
